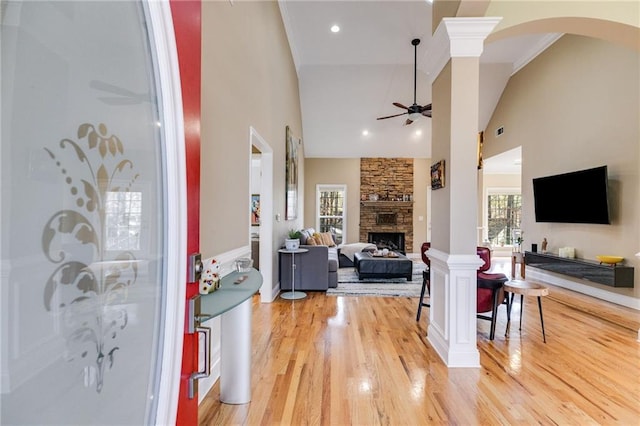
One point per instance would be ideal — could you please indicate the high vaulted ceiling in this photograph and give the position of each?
(349, 78)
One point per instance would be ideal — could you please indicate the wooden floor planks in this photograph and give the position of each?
(328, 360)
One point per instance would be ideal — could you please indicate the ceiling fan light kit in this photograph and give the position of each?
(414, 111)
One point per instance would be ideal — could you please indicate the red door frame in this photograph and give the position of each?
(187, 20)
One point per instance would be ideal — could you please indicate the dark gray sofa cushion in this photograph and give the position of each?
(317, 269)
(333, 259)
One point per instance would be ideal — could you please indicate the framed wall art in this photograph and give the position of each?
(480, 144)
(437, 175)
(255, 209)
(291, 164)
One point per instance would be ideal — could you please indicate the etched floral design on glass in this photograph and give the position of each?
(89, 286)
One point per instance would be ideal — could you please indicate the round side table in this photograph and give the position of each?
(525, 288)
(293, 294)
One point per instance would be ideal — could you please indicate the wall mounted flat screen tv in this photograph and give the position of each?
(575, 197)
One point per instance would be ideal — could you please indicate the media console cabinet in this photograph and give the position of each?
(590, 270)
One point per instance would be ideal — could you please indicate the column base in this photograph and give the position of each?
(453, 326)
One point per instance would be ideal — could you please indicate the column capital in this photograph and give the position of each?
(458, 38)
(466, 35)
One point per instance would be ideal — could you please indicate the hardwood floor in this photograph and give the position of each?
(330, 360)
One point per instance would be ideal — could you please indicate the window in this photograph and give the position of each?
(332, 210)
(123, 220)
(503, 217)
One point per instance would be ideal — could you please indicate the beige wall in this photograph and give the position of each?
(347, 171)
(443, 9)
(596, 18)
(577, 106)
(248, 79)
(510, 181)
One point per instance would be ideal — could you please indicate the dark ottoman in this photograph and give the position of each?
(369, 266)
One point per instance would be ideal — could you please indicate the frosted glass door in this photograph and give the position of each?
(82, 214)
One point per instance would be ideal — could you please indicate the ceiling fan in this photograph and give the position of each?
(121, 96)
(414, 111)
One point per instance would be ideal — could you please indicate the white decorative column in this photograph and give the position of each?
(457, 45)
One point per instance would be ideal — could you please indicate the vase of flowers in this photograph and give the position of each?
(519, 241)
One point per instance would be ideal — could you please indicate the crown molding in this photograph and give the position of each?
(535, 50)
(288, 28)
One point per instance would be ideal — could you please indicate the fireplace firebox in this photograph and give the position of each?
(388, 240)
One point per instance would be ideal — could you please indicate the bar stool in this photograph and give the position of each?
(490, 292)
(425, 280)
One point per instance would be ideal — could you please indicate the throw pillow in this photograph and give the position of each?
(304, 236)
(327, 239)
(311, 241)
(309, 231)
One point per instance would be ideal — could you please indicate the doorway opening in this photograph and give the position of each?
(502, 201)
(261, 193)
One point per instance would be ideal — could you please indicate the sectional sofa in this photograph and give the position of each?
(316, 270)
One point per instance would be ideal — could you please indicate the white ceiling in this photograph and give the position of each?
(348, 79)
(508, 162)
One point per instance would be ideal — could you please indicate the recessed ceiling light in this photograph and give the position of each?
(418, 132)
(365, 132)
(335, 29)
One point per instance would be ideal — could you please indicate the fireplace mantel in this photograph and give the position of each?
(386, 203)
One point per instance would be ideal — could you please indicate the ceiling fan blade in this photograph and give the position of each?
(107, 87)
(427, 113)
(391, 116)
(409, 121)
(399, 105)
(124, 96)
(425, 108)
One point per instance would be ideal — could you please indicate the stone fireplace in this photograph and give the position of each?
(386, 201)
(386, 218)
(387, 240)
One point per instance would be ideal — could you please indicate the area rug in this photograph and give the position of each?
(350, 285)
